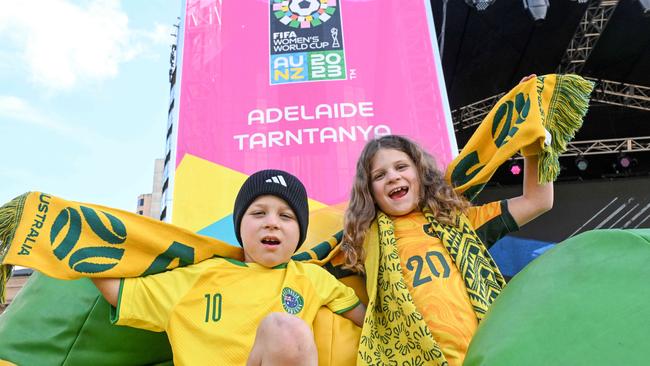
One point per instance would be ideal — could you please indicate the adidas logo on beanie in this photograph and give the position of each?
(276, 183)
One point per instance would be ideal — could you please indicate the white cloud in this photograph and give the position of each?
(17, 110)
(62, 43)
(161, 34)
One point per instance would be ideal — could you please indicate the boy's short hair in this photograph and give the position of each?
(275, 183)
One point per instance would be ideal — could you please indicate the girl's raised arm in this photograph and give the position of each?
(536, 198)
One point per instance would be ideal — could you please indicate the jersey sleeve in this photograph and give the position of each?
(147, 302)
(335, 295)
(492, 221)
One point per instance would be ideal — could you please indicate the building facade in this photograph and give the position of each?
(149, 203)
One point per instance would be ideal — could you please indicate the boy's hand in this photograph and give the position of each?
(357, 314)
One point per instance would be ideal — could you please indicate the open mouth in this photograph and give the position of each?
(270, 240)
(398, 192)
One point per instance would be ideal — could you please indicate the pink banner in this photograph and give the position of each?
(302, 85)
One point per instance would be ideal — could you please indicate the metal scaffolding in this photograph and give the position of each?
(589, 30)
(605, 146)
(608, 146)
(606, 91)
(611, 92)
(622, 94)
(472, 114)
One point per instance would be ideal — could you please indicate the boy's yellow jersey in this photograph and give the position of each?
(434, 281)
(211, 310)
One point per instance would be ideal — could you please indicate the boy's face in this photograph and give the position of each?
(269, 231)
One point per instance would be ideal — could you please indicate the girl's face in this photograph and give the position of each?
(395, 182)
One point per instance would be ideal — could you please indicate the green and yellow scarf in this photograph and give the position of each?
(393, 328)
(67, 239)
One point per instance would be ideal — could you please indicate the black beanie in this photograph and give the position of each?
(276, 183)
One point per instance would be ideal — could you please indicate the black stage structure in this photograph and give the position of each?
(486, 52)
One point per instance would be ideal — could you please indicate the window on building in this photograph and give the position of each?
(140, 212)
(141, 202)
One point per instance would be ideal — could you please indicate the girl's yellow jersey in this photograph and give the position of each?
(433, 280)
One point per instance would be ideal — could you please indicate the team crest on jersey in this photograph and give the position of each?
(292, 302)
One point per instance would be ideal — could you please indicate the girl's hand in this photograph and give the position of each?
(536, 198)
(526, 78)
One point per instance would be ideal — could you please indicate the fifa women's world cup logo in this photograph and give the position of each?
(306, 41)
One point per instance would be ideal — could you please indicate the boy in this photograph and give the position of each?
(212, 310)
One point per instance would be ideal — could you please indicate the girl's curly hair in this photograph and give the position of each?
(435, 193)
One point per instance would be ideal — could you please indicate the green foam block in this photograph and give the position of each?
(584, 302)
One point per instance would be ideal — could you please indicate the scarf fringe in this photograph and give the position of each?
(566, 110)
(9, 218)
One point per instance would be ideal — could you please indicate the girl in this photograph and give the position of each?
(423, 247)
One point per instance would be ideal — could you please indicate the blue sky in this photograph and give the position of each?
(84, 97)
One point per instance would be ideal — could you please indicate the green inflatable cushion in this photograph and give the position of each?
(584, 302)
(56, 322)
